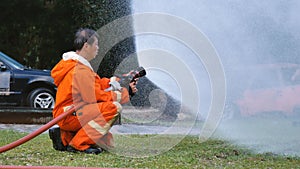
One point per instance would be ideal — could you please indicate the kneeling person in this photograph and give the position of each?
(87, 129)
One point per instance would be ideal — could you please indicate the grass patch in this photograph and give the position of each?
(264, 134)
(189, 153)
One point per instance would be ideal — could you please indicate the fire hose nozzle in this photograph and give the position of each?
(126, 79)
(140, 72)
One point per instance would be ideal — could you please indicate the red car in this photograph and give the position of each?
(270, 88)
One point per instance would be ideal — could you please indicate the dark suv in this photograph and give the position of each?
(22, 86)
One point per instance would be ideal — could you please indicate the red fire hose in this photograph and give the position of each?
(40, 130)
(36, 133)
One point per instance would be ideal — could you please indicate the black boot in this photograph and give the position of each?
(91, 150)
(54, 134)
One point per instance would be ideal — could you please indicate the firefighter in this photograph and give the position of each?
(87, 129)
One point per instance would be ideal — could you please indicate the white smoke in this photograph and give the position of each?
(243, 33)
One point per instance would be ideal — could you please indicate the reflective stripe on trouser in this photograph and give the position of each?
(96, 120)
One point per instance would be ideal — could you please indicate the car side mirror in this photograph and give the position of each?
(2, 67)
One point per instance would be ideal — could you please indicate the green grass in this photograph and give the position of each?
(189, 153)
(267, 133)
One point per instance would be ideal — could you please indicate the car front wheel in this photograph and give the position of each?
(41, 98)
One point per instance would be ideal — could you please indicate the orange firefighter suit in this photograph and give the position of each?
(76, 83)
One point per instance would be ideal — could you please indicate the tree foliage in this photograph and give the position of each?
(37, 32)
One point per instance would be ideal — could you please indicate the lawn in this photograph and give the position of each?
(188, 153)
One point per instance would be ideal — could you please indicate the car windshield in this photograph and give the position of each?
(268, 78)
(12, 62)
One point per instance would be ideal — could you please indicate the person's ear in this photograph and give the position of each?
(85, 45)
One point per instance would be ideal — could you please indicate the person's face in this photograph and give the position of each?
(92, 50)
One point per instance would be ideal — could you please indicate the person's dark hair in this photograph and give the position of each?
(84, 35)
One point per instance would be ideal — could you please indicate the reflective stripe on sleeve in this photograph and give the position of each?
(119, 95)
(119, 106)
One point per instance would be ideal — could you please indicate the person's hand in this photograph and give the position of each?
(132, 85)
